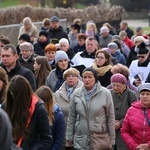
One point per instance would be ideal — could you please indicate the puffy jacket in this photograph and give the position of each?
(135, 129)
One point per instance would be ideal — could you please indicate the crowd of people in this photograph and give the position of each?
(81, 89)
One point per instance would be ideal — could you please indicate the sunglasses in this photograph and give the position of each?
(140, 56)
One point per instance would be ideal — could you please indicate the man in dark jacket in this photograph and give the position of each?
(12, 66)
(56, 31)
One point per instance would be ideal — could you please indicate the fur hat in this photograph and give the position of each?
(60, 55)
(71, 71)
(90, 69)
(45, 33)
(144, 87)
(26, 46)
(117, 77)
(139, 38)
(25, 37)
(112, 45)
(104, 29)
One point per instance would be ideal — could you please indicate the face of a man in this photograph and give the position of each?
(122, 26)
(54, 24)
(142, 57)
(8, 58)
(91, 46)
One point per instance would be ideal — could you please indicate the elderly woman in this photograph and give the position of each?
(65, 92)
(135, 130)
(102, 65)
(91, 123)
(122, 98)
(55, 78)
(3, 85)
(29, 28)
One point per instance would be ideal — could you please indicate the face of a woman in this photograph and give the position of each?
(145, 98)
(88, 80)
(100, 59)
(71, 79)
(64, 47)
(36, 66)
(1, 84)
(42, 38)
(63, 64)
(118, 87)
(50, 55)
(90, 28)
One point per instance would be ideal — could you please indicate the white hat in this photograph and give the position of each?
(104, 30)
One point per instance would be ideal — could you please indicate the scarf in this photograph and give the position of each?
(70, 90)
(102, 70)
(89, 94)
(90, 33)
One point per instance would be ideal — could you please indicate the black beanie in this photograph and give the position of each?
(142, 49)
(93, 71)
(25, 37)
(45, 33)
(76, 26)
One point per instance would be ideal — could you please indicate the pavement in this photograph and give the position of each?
(138, 23)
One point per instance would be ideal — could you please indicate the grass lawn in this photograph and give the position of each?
(146, 30)
(7, 3)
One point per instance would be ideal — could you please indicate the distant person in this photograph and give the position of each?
(124, 26)
(111, 28)
(45, 24)
(30, 29)
(105, 38)
(56, 31)
(12, 66)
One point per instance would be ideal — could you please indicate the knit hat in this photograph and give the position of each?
(142, 49)
(76, 26)
(25, 37)
(90, 69)
(116, 37)
(139, 38)
(54, 18)
(60, 55)
(104, 30)
(112, 45)
(144, 87)
(138, 29)
(71, 71)
(45, 33)
(26, 46)
(63, 41)
(117, 77)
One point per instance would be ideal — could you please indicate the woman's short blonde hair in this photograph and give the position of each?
(71, 71)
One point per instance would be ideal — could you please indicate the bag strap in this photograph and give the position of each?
(129, 98)
(146, 116)
(31, 110)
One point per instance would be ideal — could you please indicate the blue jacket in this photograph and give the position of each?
(58, 129)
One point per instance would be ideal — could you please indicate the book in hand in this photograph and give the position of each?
(138, 76)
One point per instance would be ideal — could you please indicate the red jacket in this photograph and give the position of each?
(128, 42)
(135, 129)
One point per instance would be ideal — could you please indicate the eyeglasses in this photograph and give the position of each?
(100, 57)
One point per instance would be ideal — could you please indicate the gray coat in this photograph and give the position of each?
(121, 104)
(100, 114)
(62, 99)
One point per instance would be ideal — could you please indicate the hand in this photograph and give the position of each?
(137, 82)
(117, 125)
(143, 147)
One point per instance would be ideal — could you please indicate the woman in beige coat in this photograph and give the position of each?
(65, 92)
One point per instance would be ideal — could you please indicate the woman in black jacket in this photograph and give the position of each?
(29, 118)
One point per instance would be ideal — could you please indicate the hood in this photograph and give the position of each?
(5, 131)
(137, 104)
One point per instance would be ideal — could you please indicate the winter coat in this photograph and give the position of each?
(101, 117)
(119, 57)
(122, 102)
(135, 129)
(27, 64)
(20, 70)
(63, 100)
(58, 129)
(57, 33)
(78, 48)
(70, 53)
(40, 137)
(128, 42)
(72, 39)
(33, 32)
(104, 41)
(39, 48)
(148, 78)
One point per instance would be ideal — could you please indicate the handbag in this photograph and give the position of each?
(100, 141)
